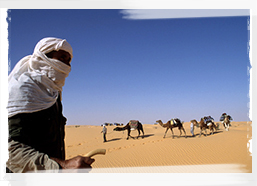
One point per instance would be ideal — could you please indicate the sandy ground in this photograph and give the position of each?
(222, 152)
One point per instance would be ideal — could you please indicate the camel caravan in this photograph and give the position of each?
(205, 123)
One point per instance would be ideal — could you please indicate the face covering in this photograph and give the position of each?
(36, 80)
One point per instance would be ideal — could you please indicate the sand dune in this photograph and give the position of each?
(222, 152)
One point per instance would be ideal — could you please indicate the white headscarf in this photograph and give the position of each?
(36, 80)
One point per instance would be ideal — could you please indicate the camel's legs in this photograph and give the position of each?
(184, 131)
(172, 133)
(182, 128)
(205, 132)
(138, 133)
(225, 126)
(228, 126)
(128, 134)
(215, 127)
(201, 131)
(165, 132)
(142, 132)
(180, 132)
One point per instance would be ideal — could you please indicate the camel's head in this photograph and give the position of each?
(158, 121)
(201, 121)
(195, 123)
(118, 129)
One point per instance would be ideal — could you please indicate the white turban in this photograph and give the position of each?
(36, 80)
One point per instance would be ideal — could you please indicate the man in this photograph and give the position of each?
(104, 131)
(36, 123)
(192, 129)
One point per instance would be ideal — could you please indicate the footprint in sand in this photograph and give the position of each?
(118, 148)
(109, 150)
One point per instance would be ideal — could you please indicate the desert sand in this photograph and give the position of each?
(222, 152)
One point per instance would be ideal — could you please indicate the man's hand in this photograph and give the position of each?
(77, 162)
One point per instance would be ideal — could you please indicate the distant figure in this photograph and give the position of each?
(104, 131)
(225, 119)
(192, 129)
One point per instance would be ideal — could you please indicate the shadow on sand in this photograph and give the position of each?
(176, 136)
(203, 134)
(145, 136)
(114, 139)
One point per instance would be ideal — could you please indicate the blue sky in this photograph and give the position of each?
(143, 68)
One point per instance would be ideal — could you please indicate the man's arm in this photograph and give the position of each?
(23, 158)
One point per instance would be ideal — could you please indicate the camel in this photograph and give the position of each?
(225, 119)
(131, 125)
(170, 125)
(226, 122)
(204, 126)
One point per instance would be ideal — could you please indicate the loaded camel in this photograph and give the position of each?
(226, 121)
(172, 124)
(131, 125)
(209, 124)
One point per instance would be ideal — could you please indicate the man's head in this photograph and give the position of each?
(37, 80)
(55, 48)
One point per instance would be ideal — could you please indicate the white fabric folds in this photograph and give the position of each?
(36, 80)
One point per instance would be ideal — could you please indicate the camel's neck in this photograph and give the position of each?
(121, 128)
(201, 122)
(125, 127)
(160, 123)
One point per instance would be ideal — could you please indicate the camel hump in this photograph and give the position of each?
(133, 124)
